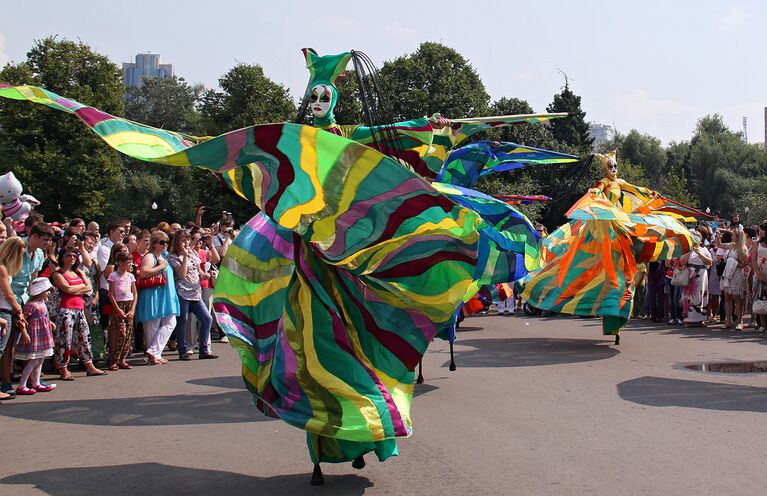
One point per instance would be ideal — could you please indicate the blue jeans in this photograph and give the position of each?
(674, 305)
(200, 311)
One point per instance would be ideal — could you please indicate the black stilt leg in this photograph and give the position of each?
(359, 462)
(419, 379)
(617, 339)
(452, 358)
(317, 478)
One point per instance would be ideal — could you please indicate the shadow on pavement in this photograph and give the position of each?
(180, 409)
(530, 352)
(228, 382)
(235, 382)
(157, 478)
(469, 329)
(421, 389)
(662, 391)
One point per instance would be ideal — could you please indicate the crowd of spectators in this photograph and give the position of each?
(144, 290)
(720, 282)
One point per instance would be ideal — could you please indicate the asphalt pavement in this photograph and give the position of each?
(536, 407)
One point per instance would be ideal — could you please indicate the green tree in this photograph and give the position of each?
(572, 130)
(248, 97)
(168, 103)
(725, 173)
(537, 135)
(564, 183)
(435, 78)
(57, 159)
(646, 151)
(349, 108)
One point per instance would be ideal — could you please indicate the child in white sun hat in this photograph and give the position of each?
(38, 345)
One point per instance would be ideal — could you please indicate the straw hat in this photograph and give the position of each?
(39, 285)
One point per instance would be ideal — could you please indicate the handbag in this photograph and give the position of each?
(155, 281)
(760, 306)
(720, 265)
(681, 277)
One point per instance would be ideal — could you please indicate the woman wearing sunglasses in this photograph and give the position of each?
(158, 305)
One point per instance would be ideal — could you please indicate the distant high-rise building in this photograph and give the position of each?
(600, 133)
(147, 65)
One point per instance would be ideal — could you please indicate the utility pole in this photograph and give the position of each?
(745, 129)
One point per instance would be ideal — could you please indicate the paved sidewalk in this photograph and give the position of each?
(536, 407)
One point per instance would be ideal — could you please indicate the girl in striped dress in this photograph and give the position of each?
(37, 342)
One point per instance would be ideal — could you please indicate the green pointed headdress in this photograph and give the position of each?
(325, 70)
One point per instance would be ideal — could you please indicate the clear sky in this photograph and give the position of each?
(656, 66)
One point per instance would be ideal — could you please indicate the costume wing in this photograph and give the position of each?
(465, 165)
(509, 244)
(589, 263)
(460, 130)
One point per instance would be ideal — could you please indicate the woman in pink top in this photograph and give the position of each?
(72, 330)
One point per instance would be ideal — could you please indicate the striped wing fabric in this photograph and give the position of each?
(333, 293)
(465, 165)
(460, 130)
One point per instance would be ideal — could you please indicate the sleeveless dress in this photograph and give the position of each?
(760, 291)
(695, 294)
(158, 302)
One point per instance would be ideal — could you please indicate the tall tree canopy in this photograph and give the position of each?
(435, 78)
(574, 130)
(248, 97)
(67, 167)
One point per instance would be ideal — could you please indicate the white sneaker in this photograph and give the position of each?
(224, 339)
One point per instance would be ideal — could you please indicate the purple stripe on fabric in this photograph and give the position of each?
(288, 372)
(342, 340)
(361, 208)
(230, 309)
(92, 116)
(420, 321)
(238, 328)
(261, 225)
(412, 241)
(235, 141)
(66, 103)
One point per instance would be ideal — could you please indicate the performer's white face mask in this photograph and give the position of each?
(320, 100)
(612, 169)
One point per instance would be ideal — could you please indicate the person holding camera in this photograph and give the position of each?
(209, 260)
(186, 263)
(226, 235)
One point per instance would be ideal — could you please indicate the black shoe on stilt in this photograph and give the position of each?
(617, 339)
(317, 478)
(452, 359)
(419, 379)
(359, 462)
